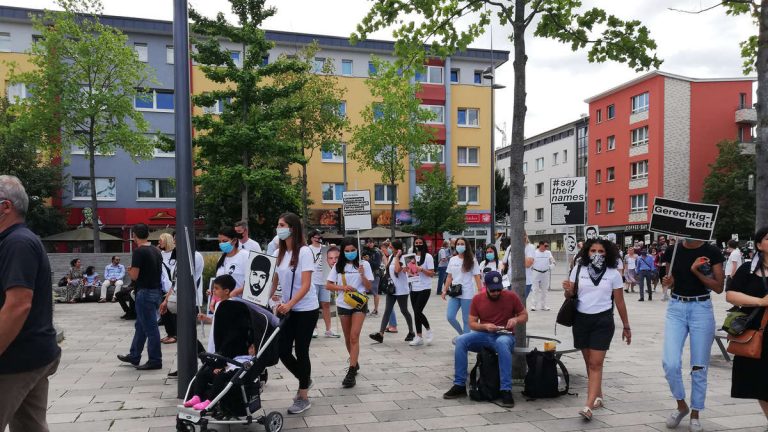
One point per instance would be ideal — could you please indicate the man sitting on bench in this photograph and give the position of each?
(493, 316)
(113, 275)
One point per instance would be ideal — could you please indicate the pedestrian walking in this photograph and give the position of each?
(167, 246)
(233, 261)
(374, 257)
(28, 350)
(318, 283)
(146, 272)
(462, 282)
(543, 263)
(420, 292)
(397, 273)
(646, 269)
(443, 256)
(630, 275)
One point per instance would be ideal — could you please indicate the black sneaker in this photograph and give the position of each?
(410, 337)
(349, 380)
(174, 374)
(507, 400)
(377, 337)
(127, 359)
(455, 392)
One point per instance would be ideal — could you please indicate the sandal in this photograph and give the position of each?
(586, 413)
(598, 403)
(168, 340)
(391, 330)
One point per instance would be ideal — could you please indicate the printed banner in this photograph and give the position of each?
(567, 198)
(258, 278)
(684, 219)
(357, 210)
(591, 232)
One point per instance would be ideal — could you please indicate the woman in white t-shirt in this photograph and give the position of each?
(491, 262)
(397, 274)
(350, 274)
(421, 290)
(599, 287)
(233, 261)
(462, 270)
(295, 265)
(630, 272)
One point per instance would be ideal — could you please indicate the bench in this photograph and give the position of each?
(721, 336)
(561, 348)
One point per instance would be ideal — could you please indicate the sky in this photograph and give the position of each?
(704, 45)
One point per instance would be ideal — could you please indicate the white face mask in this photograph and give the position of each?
(283, 233)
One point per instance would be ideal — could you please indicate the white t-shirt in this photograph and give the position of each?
(631, 262)
(250, 245)
(400, 280)
(235, 266)
(542, 260)
(595, 299)
(489, 264)
(530, 250)
(620, 264)
(273, 246)
(465, 279)
(169, 268)
(425, 282)
(285, 275)
(734, 257)
(317, 269)
(352, 275)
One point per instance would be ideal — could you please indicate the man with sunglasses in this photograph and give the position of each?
(113, 276)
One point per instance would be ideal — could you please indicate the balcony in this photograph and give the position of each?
(747, 145)
(746, 115)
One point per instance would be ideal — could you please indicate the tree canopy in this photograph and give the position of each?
(728, 185)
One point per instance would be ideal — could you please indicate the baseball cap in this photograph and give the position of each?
(493, 281)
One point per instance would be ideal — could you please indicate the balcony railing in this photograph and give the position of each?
(746, 115)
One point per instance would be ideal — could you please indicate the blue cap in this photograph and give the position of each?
(493, 281)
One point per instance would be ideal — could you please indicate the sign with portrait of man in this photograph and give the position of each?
(258, 278)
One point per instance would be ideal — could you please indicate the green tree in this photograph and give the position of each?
(241, 148)
(434, 22)
(393, 128)
(728, 186)
(84, 84)
(41, 178)
(318, 126)
(502, 196)
(436, 206)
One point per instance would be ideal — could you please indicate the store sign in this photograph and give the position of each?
(636, 227)
(477, 218)
(357, 210)
(683, 219)
(567, 200)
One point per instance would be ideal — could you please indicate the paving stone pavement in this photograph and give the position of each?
(399, 387)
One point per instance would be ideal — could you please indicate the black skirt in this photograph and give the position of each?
(750, 376)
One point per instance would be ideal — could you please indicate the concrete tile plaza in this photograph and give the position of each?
(399, 387)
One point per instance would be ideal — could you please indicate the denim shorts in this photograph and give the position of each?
(593, 331)
(323, 295)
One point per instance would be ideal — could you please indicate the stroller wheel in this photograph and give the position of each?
(273, 422)
(182, 426)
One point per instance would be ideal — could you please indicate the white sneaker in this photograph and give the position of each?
(331, 334)
(428, 337)
(675, 417)
(417, 341)
(695, 426)
(314, 333)
(546, 308)
(533, 308)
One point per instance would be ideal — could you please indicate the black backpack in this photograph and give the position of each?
(541, 381)
(484, 379)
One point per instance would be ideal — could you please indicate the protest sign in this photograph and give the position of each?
(567, 197)
(683, 219)
(569, 240)
(357, 210)
(258, 278)
(410, 264)
(591, 232)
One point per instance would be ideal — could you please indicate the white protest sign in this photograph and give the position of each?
(591, 232)
(258, 278)
(567, 198)
(357, 210)
(569, 240)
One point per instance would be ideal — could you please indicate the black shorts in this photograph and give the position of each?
(593, 331)
(341, 311)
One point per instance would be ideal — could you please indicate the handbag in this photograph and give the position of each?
(736, 321)
(387, 286)
(750, 342)
(353, 299)
(567, 313)
(454, 290)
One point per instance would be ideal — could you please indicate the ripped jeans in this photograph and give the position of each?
(697, 320)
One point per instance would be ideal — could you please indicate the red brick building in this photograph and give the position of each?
(656, 136)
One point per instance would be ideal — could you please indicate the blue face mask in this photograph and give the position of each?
(226, 247)
(390, 250)
(490, 256)
(350, 256)
(460, 249)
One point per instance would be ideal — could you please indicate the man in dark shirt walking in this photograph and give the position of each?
(28, 350)
(145, 271)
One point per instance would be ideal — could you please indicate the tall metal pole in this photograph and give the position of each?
(493, 154)
(185, 285)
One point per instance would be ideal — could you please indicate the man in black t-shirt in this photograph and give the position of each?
(28, 350)
(146, 272)
(696, 271)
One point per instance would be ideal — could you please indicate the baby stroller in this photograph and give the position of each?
(237, 324)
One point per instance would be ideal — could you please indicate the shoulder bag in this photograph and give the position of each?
(750, 342)
(353, 299)
(567, 313)
(386, 286)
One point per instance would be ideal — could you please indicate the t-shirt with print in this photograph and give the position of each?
(319, 262)
(596, 298)
(496, 312)
(285, 275)
(465, 279)
(353, 279)
(399, 279)
(686, 283)
(235, 266)
(149, 261)
(24, 263)
(425, 282)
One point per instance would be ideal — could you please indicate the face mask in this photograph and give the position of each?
(350, 256)
(241, 235)
(490, 256)
(283, 233)
(390, 251)
(226, 247)
(460, 249)
(597, 260)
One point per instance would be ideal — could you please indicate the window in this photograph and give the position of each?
(468, 117)
(612, 142)
(640, 136)
(169, 54)
(385, 193)
(5, 42)
(598, 206)
(742, 100)
(639, 170)
(235, 56)
(142, 51)
(638, 203)
(610, 205)
(105, 188)
(333, 157)
(155, 189)
(371, 69)
(37, 38)
(216, 108)
(468, 155)
(640, 103)
(539, 189)
(432, 75)
(598, 176)
(265, 60)
(539, 164)
(565, 156)
(525, 191)
(539, 214)
(525, 215)
(525, 167)
(434, 155)
(477, 77)
(598, 146)
(343, 109)
(154, 100)
(599, 116)
(611, 112)
(318, 65)
(554, 158)
(332, 192)
(438, 112)
(346, 67)
(454, 75)
(16, 92)
(610, 174)
(468, 194)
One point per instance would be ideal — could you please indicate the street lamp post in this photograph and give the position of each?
(489, 73)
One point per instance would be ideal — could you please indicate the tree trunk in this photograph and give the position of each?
(94, 201)
(304, 195)
(516, 177)
(761, 152)
(244, 193)
(392, 212)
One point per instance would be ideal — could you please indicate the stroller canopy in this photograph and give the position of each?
(238, 324)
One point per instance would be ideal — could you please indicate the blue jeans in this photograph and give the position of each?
(697, 320)
(645, 277)
(454, 303)
(147, 303)
(474, 341)
(442, 272)
(393, 319)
